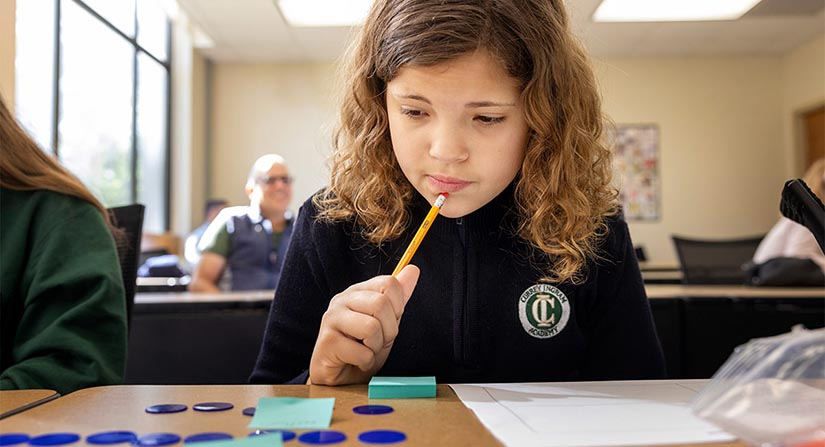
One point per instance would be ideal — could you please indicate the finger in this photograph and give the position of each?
(351, 352)
(360, 326)
(385, 285)
(408, 278)
(377, 305)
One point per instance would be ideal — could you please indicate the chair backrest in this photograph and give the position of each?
(714, 261)
(129, 219)
(166, 242)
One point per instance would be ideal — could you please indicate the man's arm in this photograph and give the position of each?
(215, 246)
(208, 272)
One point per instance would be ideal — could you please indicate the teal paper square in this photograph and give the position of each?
(401, 387)
(266, 440)
(292, 412)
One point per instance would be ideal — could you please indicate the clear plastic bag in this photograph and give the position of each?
(771, 391)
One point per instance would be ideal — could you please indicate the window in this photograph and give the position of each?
(92, 81)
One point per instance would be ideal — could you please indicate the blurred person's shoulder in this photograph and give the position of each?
(42, 204)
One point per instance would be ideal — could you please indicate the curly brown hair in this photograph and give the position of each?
(563, 191)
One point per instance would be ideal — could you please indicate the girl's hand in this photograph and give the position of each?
(359, 328)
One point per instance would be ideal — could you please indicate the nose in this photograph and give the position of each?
(448, 144)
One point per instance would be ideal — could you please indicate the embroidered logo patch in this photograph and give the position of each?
(543, 310)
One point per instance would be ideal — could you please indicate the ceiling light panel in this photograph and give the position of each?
(315, 13)
(671, 10)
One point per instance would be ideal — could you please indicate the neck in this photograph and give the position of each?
(276, 218)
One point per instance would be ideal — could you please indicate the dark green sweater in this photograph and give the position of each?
(62, 306)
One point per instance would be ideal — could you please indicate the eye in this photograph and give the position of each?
(413, 113)
(484, 119)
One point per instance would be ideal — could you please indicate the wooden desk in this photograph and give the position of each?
(16, 401)
(443, 421)
(655, 291)
(196, 338)
(246, 296)
(662, 276)
(652, 267)
(176, 337)
(166, 284)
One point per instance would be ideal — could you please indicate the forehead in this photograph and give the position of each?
(470, 77)
(277, 169)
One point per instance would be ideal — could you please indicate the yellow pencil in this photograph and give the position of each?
(419, 235)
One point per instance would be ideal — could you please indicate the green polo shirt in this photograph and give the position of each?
(62, 304)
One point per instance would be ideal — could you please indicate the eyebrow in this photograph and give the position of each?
(469, 105)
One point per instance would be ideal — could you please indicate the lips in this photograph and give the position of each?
(443, 183)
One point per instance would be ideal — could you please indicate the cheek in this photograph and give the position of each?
(406, 147)
(508, 154)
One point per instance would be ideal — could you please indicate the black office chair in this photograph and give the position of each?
(714, 261)
(129, 220)
(641, 254)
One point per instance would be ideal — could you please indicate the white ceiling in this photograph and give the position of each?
(255, 31)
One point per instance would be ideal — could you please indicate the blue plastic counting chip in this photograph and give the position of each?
(373, 409)
(13, 438)
(166, 408)
(382, 437)
(213, 406)
(111, 437)
(249, 411)
(210, 436)
(322, 437)
(157, 439)
(55, 439)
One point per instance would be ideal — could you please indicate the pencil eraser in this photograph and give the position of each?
(401, 387)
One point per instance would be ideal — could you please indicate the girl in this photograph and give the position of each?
(529, 275)
(61, 292)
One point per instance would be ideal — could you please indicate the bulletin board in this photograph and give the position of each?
(636, 170)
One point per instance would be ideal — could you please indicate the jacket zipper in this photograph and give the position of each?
(465, 305)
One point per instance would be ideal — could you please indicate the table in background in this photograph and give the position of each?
(443, 420)
(193, 338)
(163, 284)
(16, 401)
(700, 325)
(186, 338)
(660, 273)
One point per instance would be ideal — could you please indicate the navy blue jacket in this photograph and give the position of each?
(479, 312)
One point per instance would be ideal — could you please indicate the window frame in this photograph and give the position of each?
(136, 50)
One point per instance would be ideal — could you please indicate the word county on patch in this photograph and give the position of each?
(543, 310)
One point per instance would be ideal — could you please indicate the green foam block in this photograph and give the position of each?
(401, 387)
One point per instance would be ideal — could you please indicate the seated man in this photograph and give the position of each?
(250, 240)
(190, 246)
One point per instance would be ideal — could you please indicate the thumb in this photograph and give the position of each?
(408, 277)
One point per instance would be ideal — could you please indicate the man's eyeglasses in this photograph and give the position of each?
(272, 180)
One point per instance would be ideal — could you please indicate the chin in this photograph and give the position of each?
(454, 212)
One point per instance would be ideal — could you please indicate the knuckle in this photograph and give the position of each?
(372, 327)
(365, 358)
(393, 332)
(336, 300)
(381, 301)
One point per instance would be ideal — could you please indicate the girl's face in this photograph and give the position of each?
(457, 127)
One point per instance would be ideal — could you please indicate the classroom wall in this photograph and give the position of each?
(198, 160)
(803, 89)
(261, 108)
(721, 155)
(7, 42)
(180, 197)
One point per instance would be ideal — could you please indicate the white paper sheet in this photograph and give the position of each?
(588, 413)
